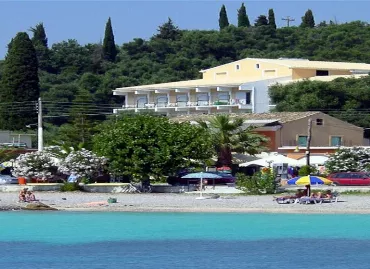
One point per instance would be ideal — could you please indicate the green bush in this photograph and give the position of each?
(259, 183)
(307, 170)
(70, 186)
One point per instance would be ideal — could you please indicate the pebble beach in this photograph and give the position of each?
(82, 201)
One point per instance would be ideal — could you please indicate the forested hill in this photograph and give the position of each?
(173, 54)
(71, 75)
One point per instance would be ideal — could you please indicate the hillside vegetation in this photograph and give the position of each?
(71, 74)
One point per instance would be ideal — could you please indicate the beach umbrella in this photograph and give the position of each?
(309, 180)
(201, 176)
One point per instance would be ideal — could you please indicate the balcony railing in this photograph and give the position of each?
(231, 102)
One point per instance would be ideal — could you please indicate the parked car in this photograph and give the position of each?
(177, 180)
(7, 179)
(350, 178)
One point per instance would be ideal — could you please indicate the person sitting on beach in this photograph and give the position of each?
(30, 196)
(22, 195)
(328, 194)
(299, 194)
(316, 195)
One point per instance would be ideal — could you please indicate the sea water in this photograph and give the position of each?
(182, 240)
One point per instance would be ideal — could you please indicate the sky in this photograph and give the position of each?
(85, 20)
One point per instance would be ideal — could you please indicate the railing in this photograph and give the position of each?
(231, 102)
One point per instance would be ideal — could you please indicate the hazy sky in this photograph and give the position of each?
(85, 20)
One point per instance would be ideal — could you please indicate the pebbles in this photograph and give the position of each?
(185, 203)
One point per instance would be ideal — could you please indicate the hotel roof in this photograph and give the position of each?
(192, 84)
(307, 64)
(257, 118)
(230, 81)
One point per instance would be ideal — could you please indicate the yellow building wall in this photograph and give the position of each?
(339, 72)
(307, 73)
(303, 73)
(247, 68)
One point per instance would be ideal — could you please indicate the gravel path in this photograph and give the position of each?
(81, 201)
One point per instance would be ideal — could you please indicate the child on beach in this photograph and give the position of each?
(22, 195)
(30, 197)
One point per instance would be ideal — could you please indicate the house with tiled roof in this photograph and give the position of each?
(237, 87)
(288, 131)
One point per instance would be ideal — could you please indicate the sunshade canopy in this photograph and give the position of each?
(309, 180)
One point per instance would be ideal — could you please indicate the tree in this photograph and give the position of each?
(20, 85)
(168, 31)
(150, 146)
(354, 159)
(37, 164)
(223, 21)
(261, 20)
(39, 35)
(40, 42)
(80, 129)
(271, 20)
(343, 98)
(243, 20)
(229, 136)
(109, 46)
(308, 20)
(82, 163)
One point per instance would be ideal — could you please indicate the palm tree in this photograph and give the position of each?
(230, 136)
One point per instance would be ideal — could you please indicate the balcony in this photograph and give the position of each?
(186, 105)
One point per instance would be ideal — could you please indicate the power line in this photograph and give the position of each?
(288, 20)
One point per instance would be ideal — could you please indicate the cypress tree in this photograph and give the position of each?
(272, 22)
(223, 21)
(308, 20)
(243, 20)
(109, 46)
(20, 85)
(40, 42)
(39, 35)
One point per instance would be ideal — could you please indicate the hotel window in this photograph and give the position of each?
(257, 66)
(335, 141)
(162, 101)
(202, 99)
(223, 97)
(182, 100)
(302, 141)
(319, 122)
(221, 74)
(322, 73)
(248, 98)
(141, 102)
(237, 67)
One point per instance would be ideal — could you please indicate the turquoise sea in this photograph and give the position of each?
(182, 240)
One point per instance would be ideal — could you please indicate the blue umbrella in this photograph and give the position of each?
(201, 176)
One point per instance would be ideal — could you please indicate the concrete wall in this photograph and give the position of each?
(10, 137)
(351, 135)
(261, 97)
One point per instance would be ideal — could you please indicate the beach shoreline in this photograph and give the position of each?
(152, 202)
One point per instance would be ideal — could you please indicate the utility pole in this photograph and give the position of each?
(309, 132)
(40, 145)
(288, 20)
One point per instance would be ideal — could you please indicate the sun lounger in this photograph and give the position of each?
(286, 199)
(308, 200)
(319, 200)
